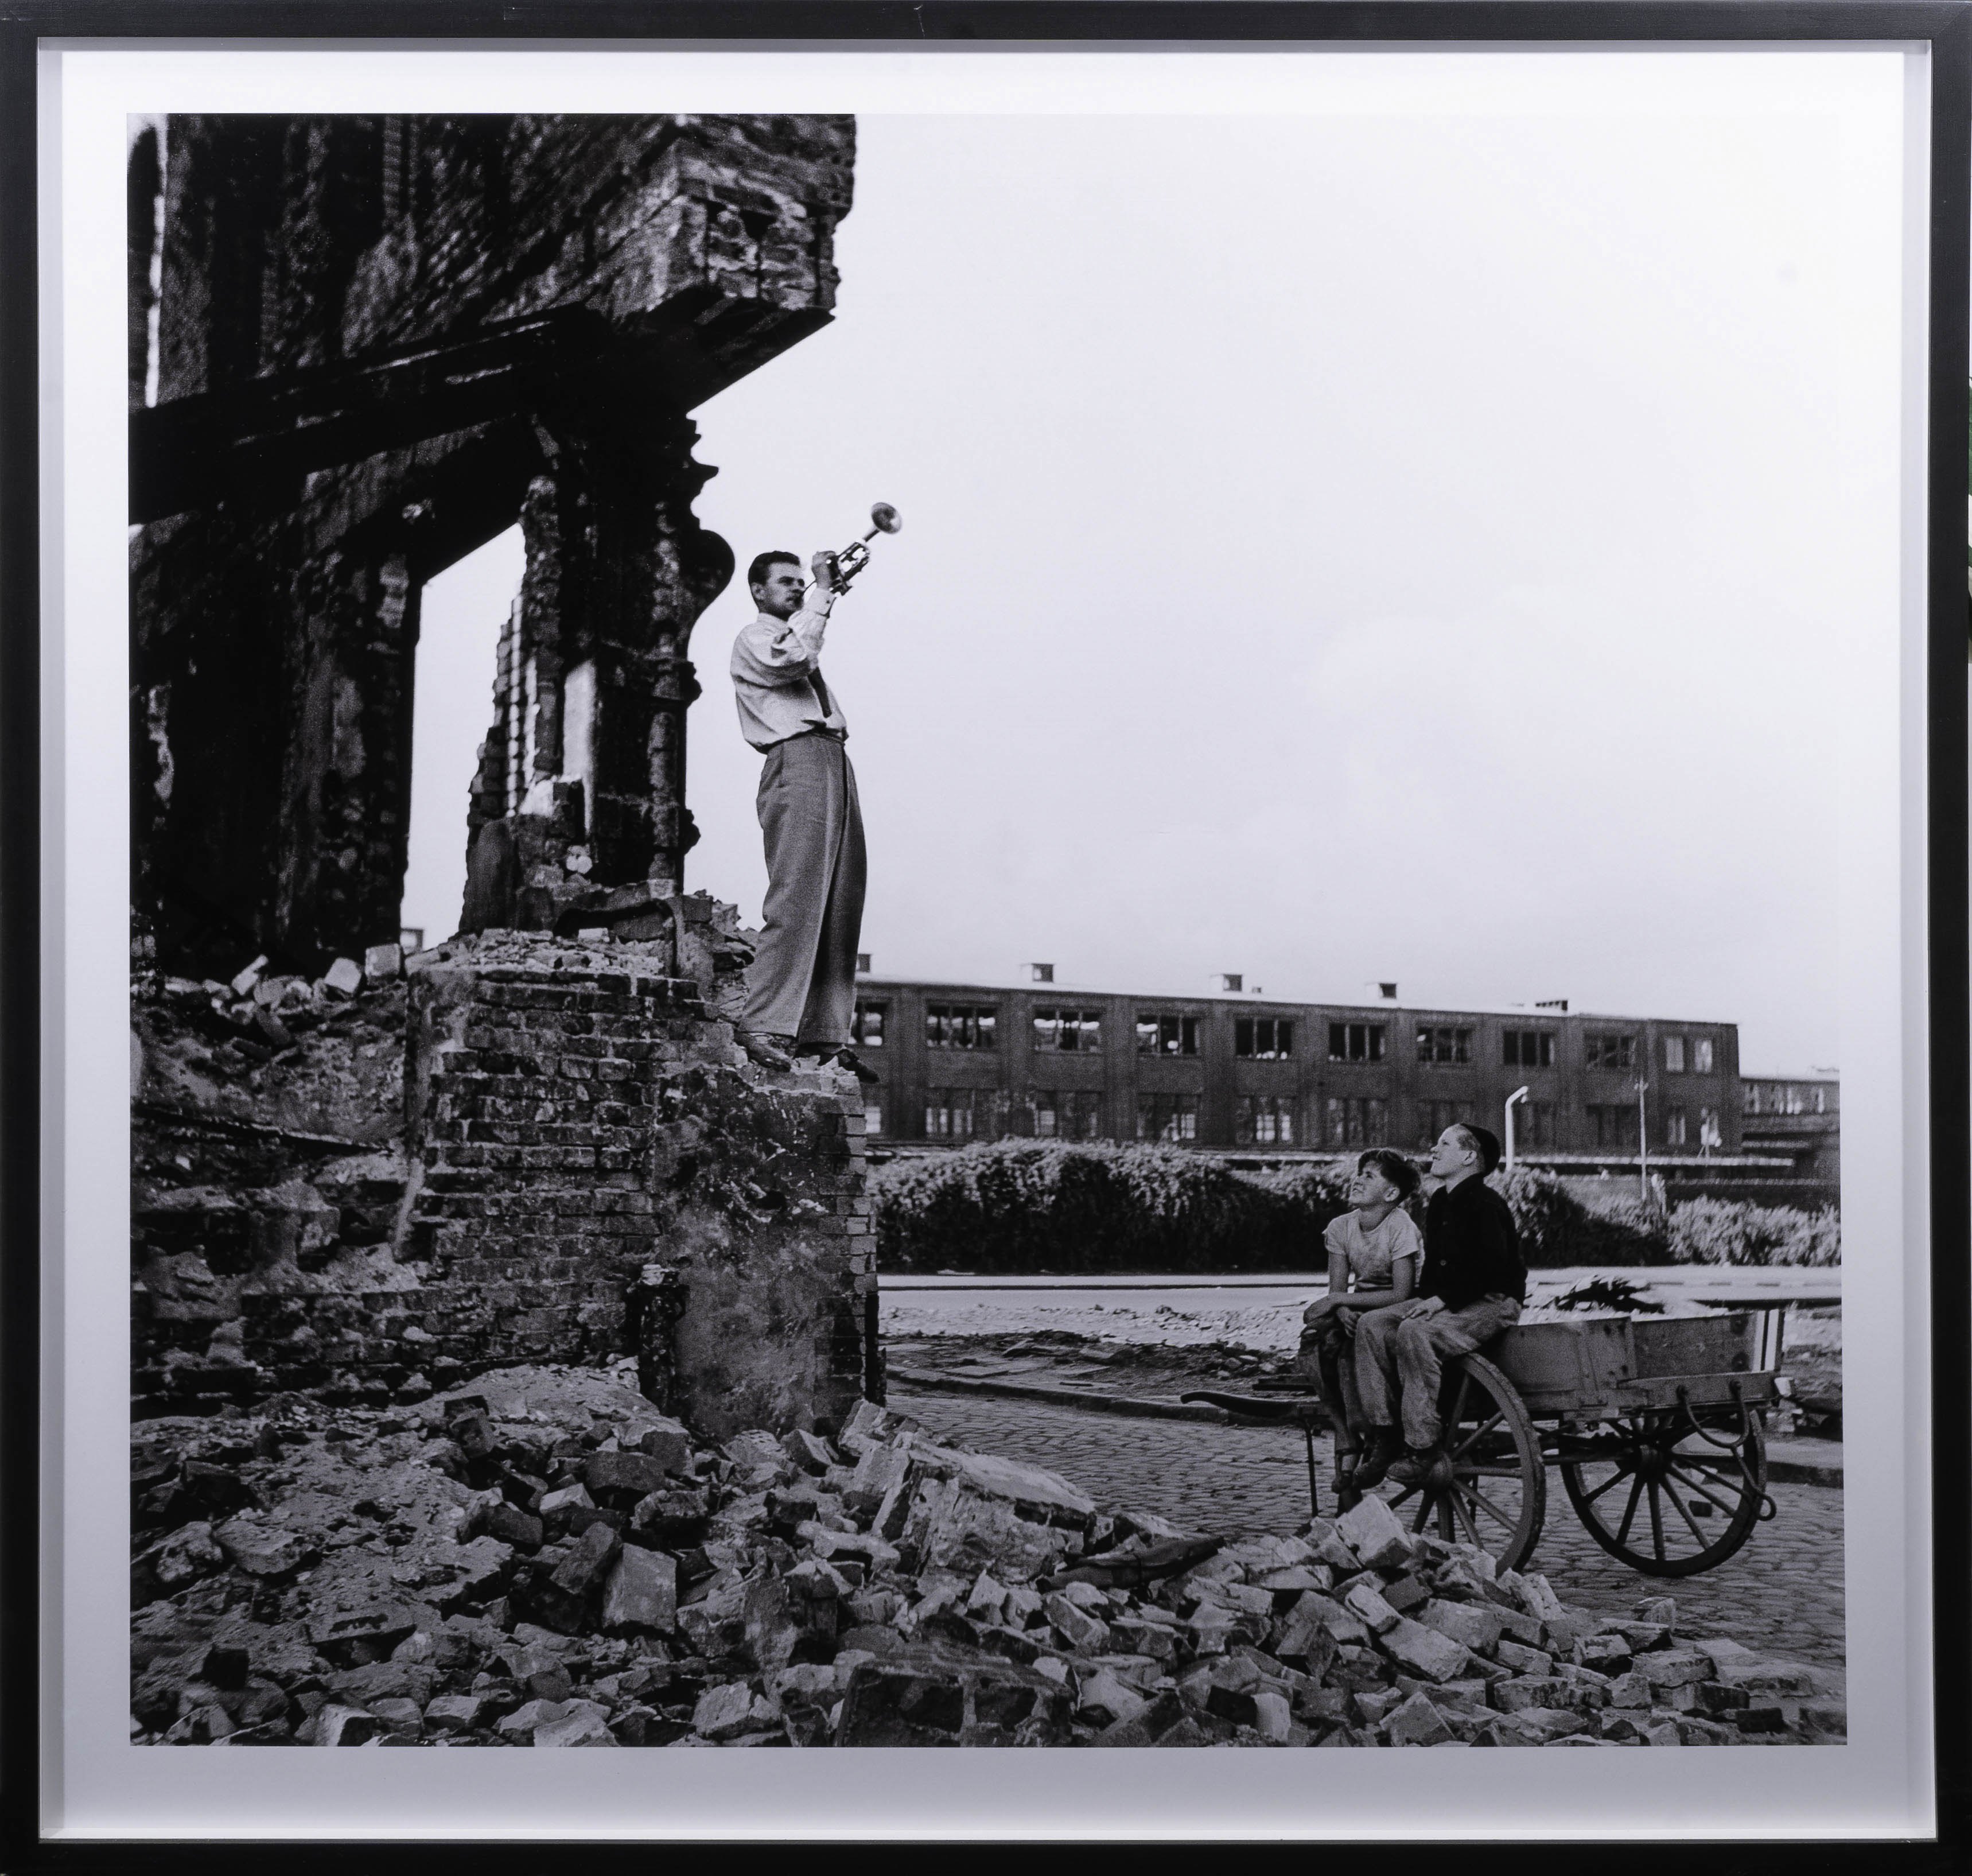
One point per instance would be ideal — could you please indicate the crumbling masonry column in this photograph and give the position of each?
(585, 757)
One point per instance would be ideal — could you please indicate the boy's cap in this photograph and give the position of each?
(1489, 1147)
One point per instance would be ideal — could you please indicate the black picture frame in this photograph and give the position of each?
(1944, 26)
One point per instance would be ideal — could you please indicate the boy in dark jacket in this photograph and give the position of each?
(1474, 1283)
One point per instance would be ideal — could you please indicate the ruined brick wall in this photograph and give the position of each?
(493, 1162)
(275, 612)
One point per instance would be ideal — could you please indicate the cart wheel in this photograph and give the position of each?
(1665, 1500)
(1495, 1496)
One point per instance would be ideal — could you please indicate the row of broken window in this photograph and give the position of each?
(1064, 1031)
(1346, 1121)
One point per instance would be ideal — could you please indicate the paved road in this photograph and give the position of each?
(1685, 1278)
(1781, 1594)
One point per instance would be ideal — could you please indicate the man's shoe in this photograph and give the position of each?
(770, 1051)
(1416, 1466)
(861, 1070)
(1385, 1448)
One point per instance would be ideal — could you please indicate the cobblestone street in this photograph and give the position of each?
(1781, 1594)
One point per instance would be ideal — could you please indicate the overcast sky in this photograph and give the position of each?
(1333, 549)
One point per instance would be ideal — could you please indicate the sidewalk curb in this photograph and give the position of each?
(1138, 1407)
(1803, 1472)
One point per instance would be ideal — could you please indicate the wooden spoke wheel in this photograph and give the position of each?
(1492, 1490)
(1662, 1497)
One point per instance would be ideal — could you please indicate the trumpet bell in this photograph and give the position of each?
(886, 518)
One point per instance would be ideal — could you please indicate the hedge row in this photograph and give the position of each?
(1017, 1207)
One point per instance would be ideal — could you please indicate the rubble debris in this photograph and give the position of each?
(539, 1558)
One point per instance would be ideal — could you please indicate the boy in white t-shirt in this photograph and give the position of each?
(1374, 1254)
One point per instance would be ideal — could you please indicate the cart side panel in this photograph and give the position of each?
(1564, 1367)
(1696, 1344)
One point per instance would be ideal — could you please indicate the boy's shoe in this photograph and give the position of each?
(770, 1051)
(1417, 1465)
(1385, 1448)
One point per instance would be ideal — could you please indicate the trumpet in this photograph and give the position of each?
(883, 520)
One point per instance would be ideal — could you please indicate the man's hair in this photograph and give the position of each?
(1392, 1165)
(1485, 1143)
(757, 574)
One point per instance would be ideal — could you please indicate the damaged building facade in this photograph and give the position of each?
(360, 349)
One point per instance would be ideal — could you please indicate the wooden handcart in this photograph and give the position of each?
(1656, 1424)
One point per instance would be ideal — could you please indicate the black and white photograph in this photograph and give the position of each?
(1020, 928)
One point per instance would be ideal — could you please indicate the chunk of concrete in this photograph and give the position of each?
(642, 1592)
(1372, 1531)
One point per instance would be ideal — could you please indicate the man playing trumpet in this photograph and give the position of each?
(800, 989)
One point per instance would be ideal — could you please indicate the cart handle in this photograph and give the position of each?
(1768, 1510)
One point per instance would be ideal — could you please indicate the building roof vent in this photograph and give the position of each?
(1041, 973)
(1233, 981)
(862, 964)
(1552, 1003)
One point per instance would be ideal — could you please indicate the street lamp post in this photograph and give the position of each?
(1643, 1144)
(1517, 1096)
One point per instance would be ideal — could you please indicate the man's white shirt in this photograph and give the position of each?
(777, 680)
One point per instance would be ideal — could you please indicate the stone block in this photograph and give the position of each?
(261, 1549)
(401, 1716)
(1106, 1698)
(568, 1511)
(1362, 1601)
(663, 1439)
(676, 1515)
(1718, 1702)
(1148, 1727)
(458, 1713)
(343, 1726)
(1523, 1660)
(1675, 1668)
(344, 977)
(584, 1723)
(1543, 1723)
(1417, 1722)
(383, 963)
(642, 1592)
(588, 1564)
(1273, 1718)
(621, 1476)
(1426, 1652)
(1086, 1633)
(1756, 1677)
(1474, 1624)
(808, 1451)
(1373, 1535)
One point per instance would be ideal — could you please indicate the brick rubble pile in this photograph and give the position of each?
(537, 1557)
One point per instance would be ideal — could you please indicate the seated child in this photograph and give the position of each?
(1473, 1287)
(1374, 1251)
